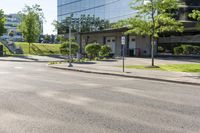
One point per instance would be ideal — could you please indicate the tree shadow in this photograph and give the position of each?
(186, 59)
(36, 50)
(108, 60)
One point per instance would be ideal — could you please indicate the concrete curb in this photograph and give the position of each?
(125, 75)
(31, 61)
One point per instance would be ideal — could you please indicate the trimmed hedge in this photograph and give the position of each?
(92, 50)
(65, 50)
(187, 50)
(178, 50)
(105, 51)
(96, 50)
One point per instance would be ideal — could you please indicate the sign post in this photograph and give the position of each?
(123, 42)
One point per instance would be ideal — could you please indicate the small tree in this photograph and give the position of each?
(47, 38)
(92, 50)
(11, 33)
(196, 16)
(64, 49)
(2, 23)
(31, 23)
(105, 51)
(152, 18)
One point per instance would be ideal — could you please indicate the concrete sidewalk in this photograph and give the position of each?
(108, 69)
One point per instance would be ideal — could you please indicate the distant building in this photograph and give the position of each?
(12, 23)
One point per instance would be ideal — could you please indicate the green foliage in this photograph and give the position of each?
(11, 33)
(161, 49)
(85, 23)
(152, 18)
(65, 48)
(173, 67)
(31, 18)
(93, 50)
(59, 38)
(196, 50)
(40, 49)
(196, 16)
(105, 51)
(2, 23)
(187, 49)
(47, 38)
(178, 50)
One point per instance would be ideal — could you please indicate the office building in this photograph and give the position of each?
(115, 10)
(12, 23)
(112, 10)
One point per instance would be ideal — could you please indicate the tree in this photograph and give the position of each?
(196, 16)
(2, 23)
(47, 38)
(64, 49)
(84, 23)
(31, 23)
(105, 51)
(93, 50)
(11, 33)
(152, 18)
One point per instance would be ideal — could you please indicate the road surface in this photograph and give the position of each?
(38, 99)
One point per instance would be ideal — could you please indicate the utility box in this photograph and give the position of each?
(1, 50)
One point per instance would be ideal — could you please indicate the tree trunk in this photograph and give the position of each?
(29, 48)
(152, 51)
(153, 34)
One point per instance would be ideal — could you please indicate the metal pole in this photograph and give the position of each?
(70, 48)
(123, 59)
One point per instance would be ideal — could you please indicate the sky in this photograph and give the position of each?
(49, 8)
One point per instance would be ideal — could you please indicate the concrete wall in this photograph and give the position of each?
(180, 39)
(101, 39)
(142, 43)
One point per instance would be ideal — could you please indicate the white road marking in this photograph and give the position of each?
(18, 67)
(5, 72)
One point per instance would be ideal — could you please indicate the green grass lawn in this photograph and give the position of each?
(173, 67)
(37, 49)
(6, 51)
(40, 49)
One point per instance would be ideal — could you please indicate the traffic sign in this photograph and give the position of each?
(123, 40)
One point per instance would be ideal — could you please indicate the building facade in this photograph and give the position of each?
(115, 10)
(12, 23)
(191, 34)
(112, 10)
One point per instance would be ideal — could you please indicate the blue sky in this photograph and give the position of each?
(49, 8)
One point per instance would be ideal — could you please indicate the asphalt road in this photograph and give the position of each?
(38, 99)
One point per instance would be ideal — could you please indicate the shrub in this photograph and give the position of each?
(64, 49)
(178, 50)
(161, 49)
(92, 50)
(196, 50)
(187, 49)
(105, 51)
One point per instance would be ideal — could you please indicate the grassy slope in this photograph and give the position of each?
(6, 50)
(40, 49)
(173, 67)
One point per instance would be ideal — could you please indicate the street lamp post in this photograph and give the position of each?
(70, 48)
